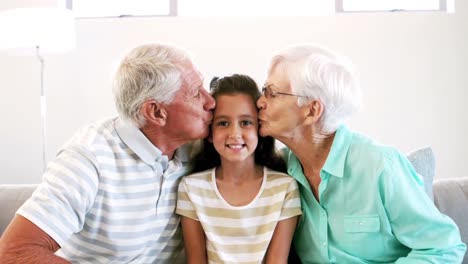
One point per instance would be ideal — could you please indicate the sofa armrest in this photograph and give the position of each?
(451, 198)
(12, 196)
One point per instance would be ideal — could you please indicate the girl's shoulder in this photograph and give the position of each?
(273, 175)
(202, 175)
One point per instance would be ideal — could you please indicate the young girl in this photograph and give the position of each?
(237, 207)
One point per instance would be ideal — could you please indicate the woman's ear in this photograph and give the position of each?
(313, 111)
(154, 112)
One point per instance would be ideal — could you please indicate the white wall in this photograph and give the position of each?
(413, 70)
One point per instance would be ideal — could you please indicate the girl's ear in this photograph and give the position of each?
(154, 112)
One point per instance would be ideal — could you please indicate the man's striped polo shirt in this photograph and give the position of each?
(110, 196)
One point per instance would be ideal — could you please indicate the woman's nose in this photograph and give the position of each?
(261, 102)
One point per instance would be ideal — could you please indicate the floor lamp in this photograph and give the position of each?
(38, 31)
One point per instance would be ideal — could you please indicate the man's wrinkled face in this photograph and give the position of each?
(190, 112)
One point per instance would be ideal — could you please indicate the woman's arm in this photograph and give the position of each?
(416, 222)
(278, 250)
(194, 240)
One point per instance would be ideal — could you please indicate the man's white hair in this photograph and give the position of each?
(149, 71)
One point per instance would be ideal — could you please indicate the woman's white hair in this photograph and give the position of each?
(149, 71)
(323, 75)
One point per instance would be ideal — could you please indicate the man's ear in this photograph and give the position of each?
(313, 110)
(154, 112)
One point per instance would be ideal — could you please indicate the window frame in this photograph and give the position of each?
(446, 6)
(173, 8)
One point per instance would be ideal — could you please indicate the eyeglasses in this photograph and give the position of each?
(270, 93)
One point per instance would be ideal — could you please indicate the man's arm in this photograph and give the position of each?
(278, 250)
(24, 242)
(194, 240)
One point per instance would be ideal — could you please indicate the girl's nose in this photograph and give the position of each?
(235, 132)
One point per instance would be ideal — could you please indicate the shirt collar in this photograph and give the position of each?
(184, 153)
(138, 142)
(335, 163)
(143, 148)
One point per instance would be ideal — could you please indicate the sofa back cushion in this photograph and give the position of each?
(12, 196)
(423, 161)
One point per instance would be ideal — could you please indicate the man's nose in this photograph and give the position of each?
(210, 101)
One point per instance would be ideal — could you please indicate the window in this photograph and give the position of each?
(124, 8)
(255, 7)
(121, 8)
(394, 5)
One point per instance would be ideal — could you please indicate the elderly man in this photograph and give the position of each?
(110, 194)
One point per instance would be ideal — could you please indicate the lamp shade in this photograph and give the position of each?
(24, 29)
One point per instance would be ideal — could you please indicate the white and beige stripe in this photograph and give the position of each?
(238, 234)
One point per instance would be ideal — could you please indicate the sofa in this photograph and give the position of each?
(450, 195)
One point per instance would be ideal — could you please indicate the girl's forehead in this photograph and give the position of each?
(238, 103)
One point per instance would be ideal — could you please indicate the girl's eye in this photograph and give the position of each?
(246, 122)
(222, 123)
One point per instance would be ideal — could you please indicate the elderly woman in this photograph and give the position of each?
(362, 201)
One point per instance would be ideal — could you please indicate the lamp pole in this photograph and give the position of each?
(39, 30)
(43, 109)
